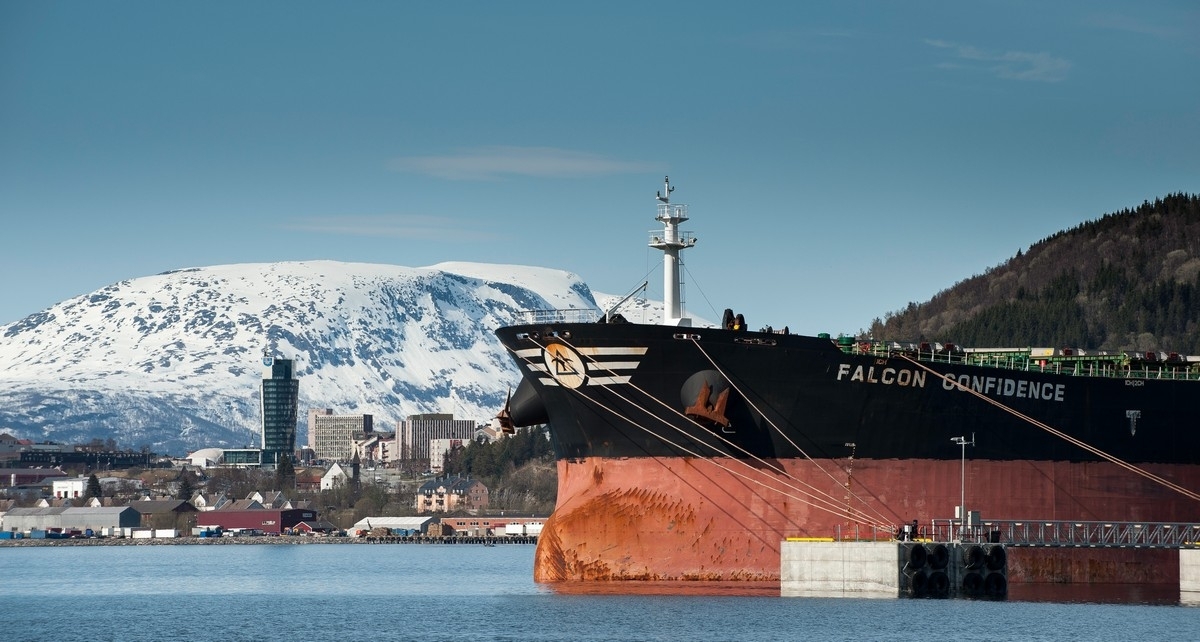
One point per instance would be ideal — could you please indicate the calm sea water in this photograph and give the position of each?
(470, 592)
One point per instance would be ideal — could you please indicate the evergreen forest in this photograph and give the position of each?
(1128, 281)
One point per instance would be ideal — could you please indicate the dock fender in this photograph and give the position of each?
(939, 556)
(972, 583)
(973, 557)
(917, 556)
(939, 584)
(997, 558)
(918, 585)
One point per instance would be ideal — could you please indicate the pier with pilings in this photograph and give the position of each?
(942, 559)
(893, 569)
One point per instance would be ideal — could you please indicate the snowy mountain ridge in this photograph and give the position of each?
(173, 361)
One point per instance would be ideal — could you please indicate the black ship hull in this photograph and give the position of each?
(688, 453)
(794, 396)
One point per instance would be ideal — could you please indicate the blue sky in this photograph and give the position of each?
(839, 159)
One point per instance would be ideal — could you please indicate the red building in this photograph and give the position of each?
(22, 476)
(267, 520)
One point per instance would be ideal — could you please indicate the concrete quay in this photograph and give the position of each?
(1189, 575)
(898, 569)
(893, 569)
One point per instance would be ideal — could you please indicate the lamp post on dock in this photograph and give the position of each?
(962, 497)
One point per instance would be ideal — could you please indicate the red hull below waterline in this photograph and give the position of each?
(687, 519)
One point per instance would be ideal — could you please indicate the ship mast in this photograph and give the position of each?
(671, 241)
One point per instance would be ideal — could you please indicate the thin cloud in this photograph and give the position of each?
(1010, 65)
(1129, 24)
(489, 163)
(399, 226)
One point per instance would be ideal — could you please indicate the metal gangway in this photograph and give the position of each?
(1070, 533)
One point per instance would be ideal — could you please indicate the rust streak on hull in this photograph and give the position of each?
(701, 522)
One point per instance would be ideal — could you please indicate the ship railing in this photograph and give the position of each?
(1108, 366)
(1070, 533)
(565, 315)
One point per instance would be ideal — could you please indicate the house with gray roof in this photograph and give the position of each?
(166, 513)
(67, 518)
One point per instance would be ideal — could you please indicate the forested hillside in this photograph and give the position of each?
(1127, 281)
(519, 470)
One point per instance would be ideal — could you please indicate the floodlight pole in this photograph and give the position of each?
(962, 490)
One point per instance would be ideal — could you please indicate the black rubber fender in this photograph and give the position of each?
(973, 557)
(972, 583)
(939, 584)
(918, 585)
(997, 558)
(917, 556)
(939, 557)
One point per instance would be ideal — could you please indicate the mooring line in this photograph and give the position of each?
(1058, 433)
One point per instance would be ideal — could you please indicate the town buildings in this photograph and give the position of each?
(11, 447)
(267, 520)
(69, 488)
(280, 399)
(414, 434)
(403, 526)
(98, 456)
(333, 437)
(313, 413)
(448, 495)
(375, 449)
(76, 487)
(334, 477)
(175, 514)
(475, 526)
(18, 477)
(22, 520)
(438, 449)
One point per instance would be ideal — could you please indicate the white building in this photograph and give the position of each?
(334, 477)
(207, 457)
(438, 449)
(394, 524)
(211, 501)
(69, 488)
(414, 434)
(375, 449)
(313, 413)
(332, 436)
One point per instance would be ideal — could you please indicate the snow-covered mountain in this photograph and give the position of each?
(173, 361)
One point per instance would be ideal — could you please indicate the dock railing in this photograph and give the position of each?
(1070, 533)
(1106, 365)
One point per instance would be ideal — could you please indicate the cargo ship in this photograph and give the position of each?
(690, 453)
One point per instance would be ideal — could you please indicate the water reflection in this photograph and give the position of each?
(713, 589)
(1146, 594)
(1137, 594)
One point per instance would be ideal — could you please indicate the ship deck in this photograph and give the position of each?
(1064, 361)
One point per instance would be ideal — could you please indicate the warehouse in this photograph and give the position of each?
(269, 521)
(69, 518)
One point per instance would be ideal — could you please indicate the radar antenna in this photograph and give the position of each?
(672, 241)
(665, 197)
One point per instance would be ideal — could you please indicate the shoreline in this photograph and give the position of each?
(270, 540)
